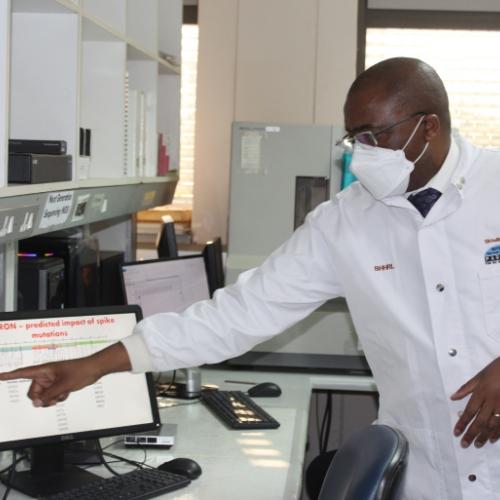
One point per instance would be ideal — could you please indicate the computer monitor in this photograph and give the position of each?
(166, 243)
(117, 404)
(212, 253)
(168, 285)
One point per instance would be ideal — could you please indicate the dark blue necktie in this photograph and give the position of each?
(423, 200)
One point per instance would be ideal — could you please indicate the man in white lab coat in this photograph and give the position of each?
(413, 247)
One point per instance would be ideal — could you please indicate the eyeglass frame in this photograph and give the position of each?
(348, 140)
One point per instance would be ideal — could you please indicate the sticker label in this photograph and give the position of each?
(251, 151)
(80, 207)
(57, 209)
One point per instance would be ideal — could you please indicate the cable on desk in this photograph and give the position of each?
(104, 454)
(11, 468)
(187, 403)
(324, 430)
(164, 391)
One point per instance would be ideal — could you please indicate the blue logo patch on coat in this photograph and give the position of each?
(492, 255)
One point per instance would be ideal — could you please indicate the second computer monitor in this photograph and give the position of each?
(165, 285)
(168, 285)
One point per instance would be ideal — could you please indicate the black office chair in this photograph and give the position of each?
(368, 466)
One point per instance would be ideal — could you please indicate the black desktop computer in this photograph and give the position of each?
(110, 275)
(81, 263)
(40, 282)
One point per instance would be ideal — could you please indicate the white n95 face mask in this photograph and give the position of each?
(384, 172)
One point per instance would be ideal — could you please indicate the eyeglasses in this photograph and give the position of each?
(368, 136)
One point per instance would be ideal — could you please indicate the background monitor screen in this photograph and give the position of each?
(117, 403)
(169, 285)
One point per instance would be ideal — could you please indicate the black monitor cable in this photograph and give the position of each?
(11, 469)
(103, 454)
(324, 429)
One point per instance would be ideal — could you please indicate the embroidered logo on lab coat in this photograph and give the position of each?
(386, 267)
(492, 255)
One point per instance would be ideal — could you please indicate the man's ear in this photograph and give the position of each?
(432, 127)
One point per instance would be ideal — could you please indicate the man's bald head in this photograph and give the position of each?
(389, 99)
(409, 84)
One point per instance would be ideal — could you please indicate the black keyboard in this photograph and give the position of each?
(237, 410)
(136, 485)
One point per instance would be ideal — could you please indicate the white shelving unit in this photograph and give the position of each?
(68, 64)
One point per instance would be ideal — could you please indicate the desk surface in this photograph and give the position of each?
(248, 465)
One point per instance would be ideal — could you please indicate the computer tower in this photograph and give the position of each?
(81, 263)
(111, 291)
(40, 283)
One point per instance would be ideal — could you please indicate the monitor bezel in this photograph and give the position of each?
(97, 433)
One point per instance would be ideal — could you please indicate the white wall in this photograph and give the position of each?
(287, 61)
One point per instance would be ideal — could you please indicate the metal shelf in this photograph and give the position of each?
(31, 210)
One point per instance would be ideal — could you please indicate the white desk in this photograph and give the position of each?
(248, 465)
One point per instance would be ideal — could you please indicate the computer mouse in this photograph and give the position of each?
(183, 466)
(265, 390)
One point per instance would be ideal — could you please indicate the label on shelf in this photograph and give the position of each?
(57, 209)
(80, 207)
(17, 222)
(148, 198)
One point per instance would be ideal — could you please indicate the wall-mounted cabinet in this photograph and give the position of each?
(94, 65)
(109, 66)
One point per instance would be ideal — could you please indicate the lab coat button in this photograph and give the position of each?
(452, 352)
(472, 477)
(439, 287)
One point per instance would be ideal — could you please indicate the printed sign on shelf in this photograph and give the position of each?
(57, 209)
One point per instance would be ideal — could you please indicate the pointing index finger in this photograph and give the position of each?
(29, 372)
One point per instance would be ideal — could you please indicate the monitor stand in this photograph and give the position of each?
(49, 474)
(86, 452)
(190, 388)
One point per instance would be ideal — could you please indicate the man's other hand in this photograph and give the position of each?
(481, 416)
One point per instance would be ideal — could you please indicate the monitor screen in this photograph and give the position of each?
(117, 403)
(165, 285)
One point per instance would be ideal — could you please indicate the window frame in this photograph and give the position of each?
(426, 19)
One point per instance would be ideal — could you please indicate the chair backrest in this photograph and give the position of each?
(368, 466)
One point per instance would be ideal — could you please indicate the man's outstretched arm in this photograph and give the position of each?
(52, 382)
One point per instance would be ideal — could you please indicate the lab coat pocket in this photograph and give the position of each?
(490, 290)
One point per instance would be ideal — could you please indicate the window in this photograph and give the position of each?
(184, 192)
(468, 63)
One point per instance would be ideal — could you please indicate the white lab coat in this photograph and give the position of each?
(424, 295)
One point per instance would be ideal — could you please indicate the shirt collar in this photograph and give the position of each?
(445, 174)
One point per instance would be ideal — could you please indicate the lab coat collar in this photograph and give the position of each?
(454, 192)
